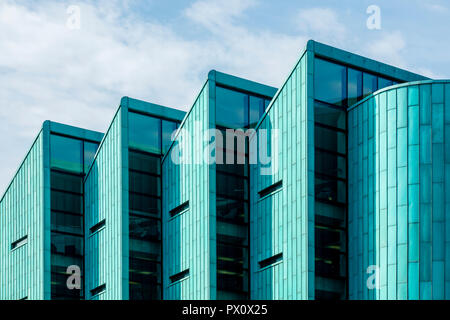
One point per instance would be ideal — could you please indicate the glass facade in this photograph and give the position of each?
(148, 138)
(337, 87)
(69, 160)
(234, 110)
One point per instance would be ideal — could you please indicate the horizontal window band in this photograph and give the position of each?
(69, 173)
(76, 235)
(179, 276)
(180, 209)
(97, 226)
(331, 128)
(145, 173)
(98, 290)
(271, 189)
(270, 261)
(330, 152)
(72, 193)
(19, 243)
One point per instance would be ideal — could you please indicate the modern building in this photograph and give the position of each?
(335, 186)
(42, 215)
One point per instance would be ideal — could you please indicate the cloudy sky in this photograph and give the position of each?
(161, 51)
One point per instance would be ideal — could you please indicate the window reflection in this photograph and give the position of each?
(231, 108)
(355, 86)
(330, 82)
(66, 153)
(144, 133)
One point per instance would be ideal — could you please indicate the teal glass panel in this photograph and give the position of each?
(330, 81)
(144, 133)
(231, 109)
(355, 86)
(257, 107)
(89, 153)
(370, 84)
(66, 153)
(326, 115)
(168, 128)
(383, 83)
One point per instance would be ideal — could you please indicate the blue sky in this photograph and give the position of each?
(161, 51)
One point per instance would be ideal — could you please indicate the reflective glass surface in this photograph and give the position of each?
(144, 133)
(66, 153)
(330, 82)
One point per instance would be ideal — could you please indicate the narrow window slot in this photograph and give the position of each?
(19, 243)
(270, 261)
(270, 190)
(179, 276)
(180, 209)
(98, 226)
(98, 290)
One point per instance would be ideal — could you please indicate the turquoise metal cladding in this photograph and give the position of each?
(106, 198)
(399, 142)
(23, 273)
(284, 222)
(189, 238)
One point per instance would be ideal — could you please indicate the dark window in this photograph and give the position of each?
(355, 86)
(98, 290)
(231, 186)
(370, 84)
(383, 83)
(330, 140)
(231, 108)
(330, 189)
(330, 164)
(329, 116)
(168, 128)
(179, 276)
(231, 210)
(144, 228)
(144, 163)
(271, 189)
(144, 133)
(66, 153)
(180, 209)
(67, 222)
(330, 82)
(90, 149)
(270, 261)
(97, 226)
(18, 243)
(144, 184)
(257, 108)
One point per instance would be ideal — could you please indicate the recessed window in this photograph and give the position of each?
(180, 209)
(98, 226)
(19, 243)
(179, 276)
(98, 290)
(270, 261)
(271, 190)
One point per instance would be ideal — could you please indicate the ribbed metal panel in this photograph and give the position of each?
(284, 222)
(22, 214)
(189, 239)
(106, 197)
(399, 150)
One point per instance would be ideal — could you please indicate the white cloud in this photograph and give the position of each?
(322, 24)
(388, 48)
(78, 76)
